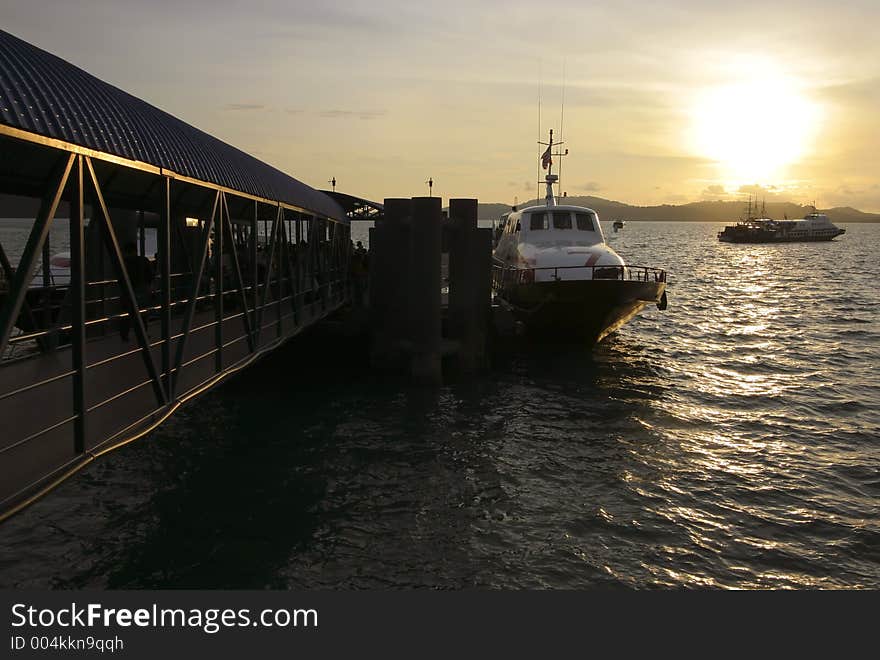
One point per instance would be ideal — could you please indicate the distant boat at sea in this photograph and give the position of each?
(813, 227)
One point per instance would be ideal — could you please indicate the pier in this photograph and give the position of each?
(154, 262)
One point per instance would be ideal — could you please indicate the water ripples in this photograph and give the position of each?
(732, 441)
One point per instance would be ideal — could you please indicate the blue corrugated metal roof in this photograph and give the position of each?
(43, 94)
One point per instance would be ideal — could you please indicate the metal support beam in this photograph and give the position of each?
(291, 278)
(77, 298)
(165, 280)
(269, 265)
(217, 254)
(255, 272)
(193, 298)
(239, 280)
(24, 273)
(279, 282)
(127, 291)
(9, 274)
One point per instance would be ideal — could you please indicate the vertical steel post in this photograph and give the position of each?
(78, 307)
(288, 270)
(218, 284)
(270, 260)
(165, 282)
(45, 296)
(255, 273)
(277, 257)
(297, 258)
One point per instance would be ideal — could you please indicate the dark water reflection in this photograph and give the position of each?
(732, 441)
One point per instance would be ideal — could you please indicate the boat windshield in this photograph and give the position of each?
(539, 221)
(561, 220)
(542, 220)
(585, 221)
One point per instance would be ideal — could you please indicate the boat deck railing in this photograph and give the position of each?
(506, 274)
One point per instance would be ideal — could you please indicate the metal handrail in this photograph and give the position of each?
(119, 395)
(37, 434)
(625, 272)
(40, 383)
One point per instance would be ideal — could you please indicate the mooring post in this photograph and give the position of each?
(466, 318)
(424, 291)
(388, 293)
(480, 257)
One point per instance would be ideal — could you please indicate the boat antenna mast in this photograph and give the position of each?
(547, 164)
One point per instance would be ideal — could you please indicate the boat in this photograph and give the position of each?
(554, 271)
(618, 224)
(814, 226)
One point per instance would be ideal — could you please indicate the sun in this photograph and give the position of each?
(753, 128)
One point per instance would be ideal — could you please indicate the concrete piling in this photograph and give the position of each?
(389, 267)
(406, 310)
(465, 291)
(424, 291)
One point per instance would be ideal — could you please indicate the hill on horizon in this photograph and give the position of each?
(714, 211)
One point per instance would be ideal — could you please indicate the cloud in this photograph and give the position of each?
(244, 106)
(351, 114)
(589, 186)
(715, 189)
(758, 189)
(855, 91)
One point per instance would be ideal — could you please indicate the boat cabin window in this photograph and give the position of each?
(538, 221)
(561, 220)
(585, 222)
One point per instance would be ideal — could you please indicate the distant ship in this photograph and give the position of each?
(618, 225)
(555, 272)
(813, 227)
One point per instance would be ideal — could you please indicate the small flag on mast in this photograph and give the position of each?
(546, 159)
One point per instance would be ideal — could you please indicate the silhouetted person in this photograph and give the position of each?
(140, 274)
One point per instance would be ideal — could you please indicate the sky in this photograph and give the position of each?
(657, 102)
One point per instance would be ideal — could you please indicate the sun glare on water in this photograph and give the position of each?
(753, 128)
